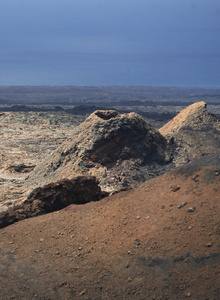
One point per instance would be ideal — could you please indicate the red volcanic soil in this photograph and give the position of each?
(157, 241)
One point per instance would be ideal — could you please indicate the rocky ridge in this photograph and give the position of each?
(120, 150)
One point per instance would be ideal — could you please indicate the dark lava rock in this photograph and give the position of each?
(53, 197)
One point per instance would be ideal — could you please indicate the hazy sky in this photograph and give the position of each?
(36, 35)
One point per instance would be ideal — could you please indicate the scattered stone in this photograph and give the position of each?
(188, 294)
(217, 172)
(191, 209)
(209, 244)
(82, 293)
(195, 178)
(174, 188)
(182, 204)
(137, 242)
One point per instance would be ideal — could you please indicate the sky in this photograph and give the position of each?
(110, 42)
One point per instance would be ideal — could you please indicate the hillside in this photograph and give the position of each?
(109, 207)
(157, 241)
(120, 150)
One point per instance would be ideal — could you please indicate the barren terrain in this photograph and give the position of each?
(159, 240)
(26, 138)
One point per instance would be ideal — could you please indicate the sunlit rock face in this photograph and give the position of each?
(194, 133)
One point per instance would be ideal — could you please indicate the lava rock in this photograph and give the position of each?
(53, 197)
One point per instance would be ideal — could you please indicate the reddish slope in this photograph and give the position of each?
(133, 245)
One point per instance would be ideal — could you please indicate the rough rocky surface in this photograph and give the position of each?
(24, 135)
(26, 138)
(137, 244)
(120, 150)
(159, 240)
(53, 197)
(194, 132)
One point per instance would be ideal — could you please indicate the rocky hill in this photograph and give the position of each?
(194, 133)
(123, 150)
(120, 150)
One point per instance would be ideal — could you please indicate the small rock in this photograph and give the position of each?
(174, 188)
(195, 178)
(188, 294)
(209, 244)
(82, 293)
(137, 242)
(182, 204)
(163, 206)
(189, 227)
(41, 240)
(191, 209)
